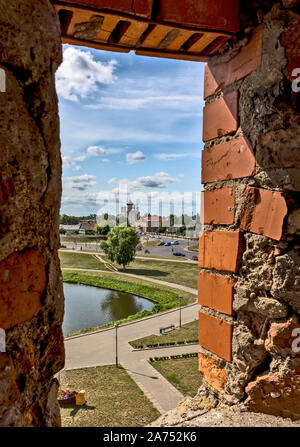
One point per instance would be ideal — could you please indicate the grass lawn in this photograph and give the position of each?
(80, 260)
(151, 243)
(113, 399)
(183, 374)
(187, 331)
(193, 248)
(165, 297)
(175, 272)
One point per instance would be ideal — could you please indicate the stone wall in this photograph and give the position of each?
(31, 294)
(248, 252)
(249, 255)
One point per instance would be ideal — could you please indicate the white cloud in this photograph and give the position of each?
(182, 102)
(68, 162)
(80, 74)
(158, 180)
(135, 157)
(166, 157)
(80, 158)
(81, 182)
(96, 150)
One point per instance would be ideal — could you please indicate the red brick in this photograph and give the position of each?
(215, 335)
(216, 292)
(233, 159)
(218, 206)
(22, 281)
(287, 389)
(212, 372)
(139, 7)
(289, 40)
(263, 212)
(204, 13)
(220, 117)
(220, 250)
(249, 59)
(281, 338)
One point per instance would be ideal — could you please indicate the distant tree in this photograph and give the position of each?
(105, 217)
(121, 245)
(62, 231)
(172, 220)
(68, 220)
(102, 230)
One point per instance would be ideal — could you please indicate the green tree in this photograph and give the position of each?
(172, 220)
(102, 230)
(121, 245)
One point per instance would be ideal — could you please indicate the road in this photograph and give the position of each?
(156, 251)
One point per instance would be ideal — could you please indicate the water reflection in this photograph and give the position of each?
(128, 305)
(88, 306)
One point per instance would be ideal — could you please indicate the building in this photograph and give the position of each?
(70, 229)
(130, 213)
(86, 227)
(152, 223)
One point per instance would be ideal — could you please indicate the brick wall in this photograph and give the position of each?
(31, 295)
(248, 251)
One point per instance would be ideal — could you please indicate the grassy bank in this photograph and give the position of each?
(174, 272)
(193, 248)
(165, 297)
(80, 260)
(187, 332)
(183, 374)
(113, 399)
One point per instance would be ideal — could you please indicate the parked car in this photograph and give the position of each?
(147, 251)
(160, 243)
(63, 246)
(195, 258)
(178, 253)
(167, 244)
(174, 243)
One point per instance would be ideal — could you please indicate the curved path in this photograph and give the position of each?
(144, 278)
(99, 348)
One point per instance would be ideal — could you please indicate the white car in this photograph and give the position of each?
(174, 243)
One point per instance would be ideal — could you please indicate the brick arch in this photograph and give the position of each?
(248, 254)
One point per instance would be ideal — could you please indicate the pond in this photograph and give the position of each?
(87, 306)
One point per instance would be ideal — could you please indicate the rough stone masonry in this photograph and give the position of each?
(249, 278)
(249, 283)
(31, 295)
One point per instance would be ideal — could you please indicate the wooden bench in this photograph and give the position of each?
(164, 330)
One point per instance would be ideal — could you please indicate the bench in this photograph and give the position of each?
(164, 330)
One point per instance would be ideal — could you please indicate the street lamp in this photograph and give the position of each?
(180, 311)
(116, 327)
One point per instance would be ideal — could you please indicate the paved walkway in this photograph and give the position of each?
(144, 278)
(99, 348)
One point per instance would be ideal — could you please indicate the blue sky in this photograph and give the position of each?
(128, 122)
